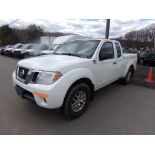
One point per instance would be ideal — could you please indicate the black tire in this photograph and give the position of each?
(70, 103)
(11, 54)
(127, 79)
(21, 56)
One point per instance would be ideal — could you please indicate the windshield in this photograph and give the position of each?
(30, 46)
(83, 49)
(12, 46)
(15, 46)
(25, 46)
(20, 46)
(8, 46)
(34, 46)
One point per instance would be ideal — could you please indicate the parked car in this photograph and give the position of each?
(149, 58)
(68, 78)
(6, 51)
(142, 55)
(10, 51)
(4, 48)
(35, 50)
(20, 52)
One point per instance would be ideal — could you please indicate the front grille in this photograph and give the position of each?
(17, 52)
(27, 53)
(26, 75)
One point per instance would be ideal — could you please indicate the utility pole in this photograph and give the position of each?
(107, 28)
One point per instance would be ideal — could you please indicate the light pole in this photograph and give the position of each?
(107, 28)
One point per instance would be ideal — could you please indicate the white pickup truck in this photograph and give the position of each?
(69, 77)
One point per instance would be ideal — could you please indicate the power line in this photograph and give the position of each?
(13, 22)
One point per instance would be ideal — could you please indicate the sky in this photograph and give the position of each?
(85, 27)
(84, 17)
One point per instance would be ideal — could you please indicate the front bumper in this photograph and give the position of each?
(8, 52)
(17, 53)
(24, 94)
(47, 96)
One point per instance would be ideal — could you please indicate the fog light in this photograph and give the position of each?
(40, 94)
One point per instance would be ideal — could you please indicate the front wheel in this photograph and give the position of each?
(127, 79)
(76, 101)
(22, 56)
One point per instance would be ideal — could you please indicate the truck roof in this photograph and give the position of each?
(87, 39)
(107, 39)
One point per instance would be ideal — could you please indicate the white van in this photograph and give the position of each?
(59, 41)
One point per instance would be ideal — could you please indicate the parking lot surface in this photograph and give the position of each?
(116, 109)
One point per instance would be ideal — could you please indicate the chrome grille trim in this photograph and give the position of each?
(29, 76)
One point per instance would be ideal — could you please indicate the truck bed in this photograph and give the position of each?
(128, 55)
(130, 59)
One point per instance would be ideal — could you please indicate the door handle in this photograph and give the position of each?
(114, 63)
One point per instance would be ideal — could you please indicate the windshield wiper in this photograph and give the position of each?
(70, 54)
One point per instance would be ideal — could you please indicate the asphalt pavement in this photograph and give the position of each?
(116, 109)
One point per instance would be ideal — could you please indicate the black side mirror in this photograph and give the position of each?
(105, 56)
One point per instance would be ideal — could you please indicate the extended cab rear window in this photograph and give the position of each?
(118, 48)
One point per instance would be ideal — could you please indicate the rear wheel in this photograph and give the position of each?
(127, 79)
(76, 101)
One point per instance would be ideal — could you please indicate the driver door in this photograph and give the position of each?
(107, 65)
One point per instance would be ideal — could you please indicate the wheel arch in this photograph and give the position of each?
(127, 69)
(81, 80)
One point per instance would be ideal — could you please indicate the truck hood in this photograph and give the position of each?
(50, 62)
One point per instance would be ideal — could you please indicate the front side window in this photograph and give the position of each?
(118, 48)
(107, 51)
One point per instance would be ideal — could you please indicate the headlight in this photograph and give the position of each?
(48, 78)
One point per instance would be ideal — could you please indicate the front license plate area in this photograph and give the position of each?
(20, 91)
